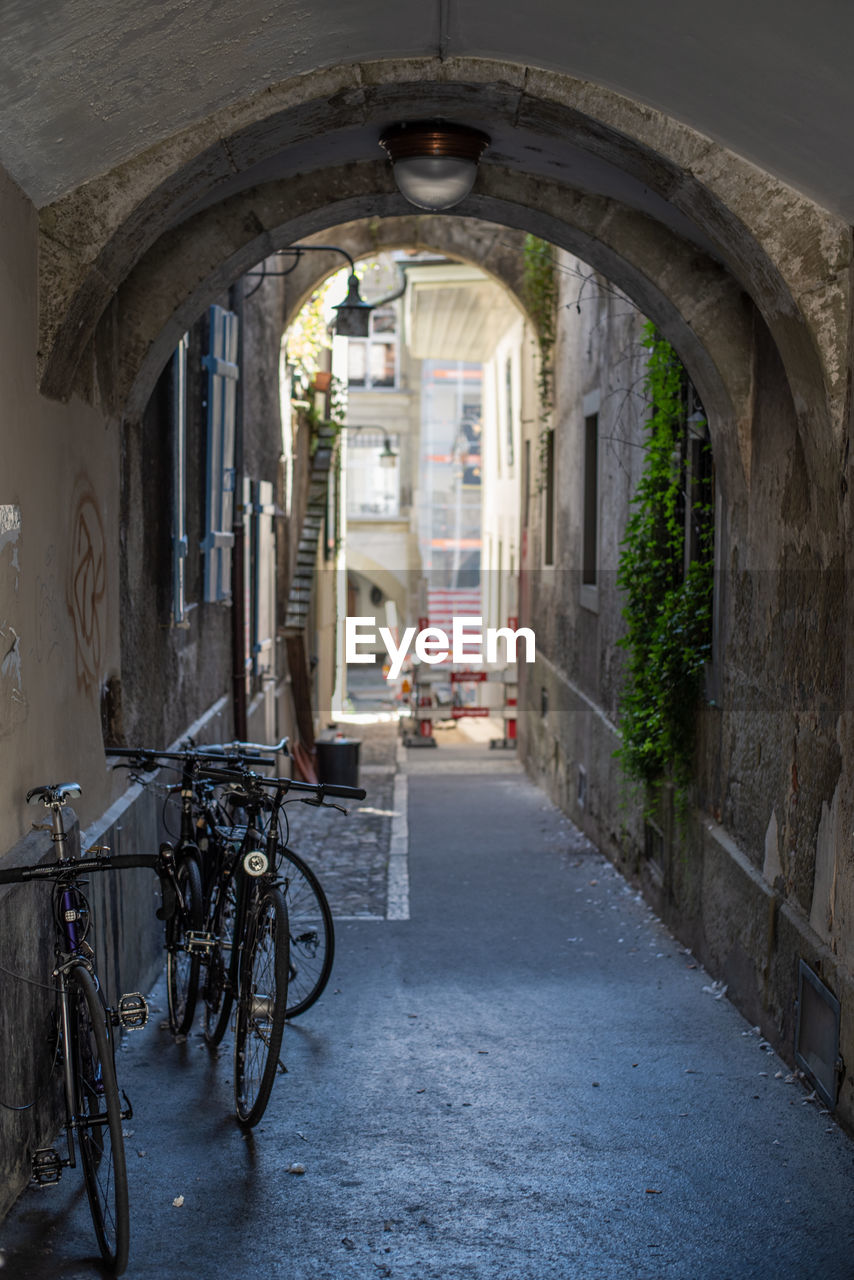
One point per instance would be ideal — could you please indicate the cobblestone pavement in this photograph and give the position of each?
(350, 854)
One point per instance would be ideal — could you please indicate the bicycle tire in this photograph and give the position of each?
(102, 1151)
(312, 935)
(261, 1005)
(182, 968)
(217, 993)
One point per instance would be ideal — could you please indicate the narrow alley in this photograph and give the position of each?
(527, 1078)
(471, 386)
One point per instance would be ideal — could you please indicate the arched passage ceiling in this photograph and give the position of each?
(304, 155)
(213, 167)
(85, 86)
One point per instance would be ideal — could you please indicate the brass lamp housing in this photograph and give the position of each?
(435, 162)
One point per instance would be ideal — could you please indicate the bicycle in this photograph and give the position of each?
(204, 829)
(187, 943)
(85, 1044)
(309, 914)
(310, 925)
(250, 962)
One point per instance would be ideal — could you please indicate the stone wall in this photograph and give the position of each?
(754, 876)
(89, 652)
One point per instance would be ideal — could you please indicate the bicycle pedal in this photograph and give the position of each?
(197, 942)
(47, 1167)
(132, 1011)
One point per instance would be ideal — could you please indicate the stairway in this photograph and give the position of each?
(302, 583)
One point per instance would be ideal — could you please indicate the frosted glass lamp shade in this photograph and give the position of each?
(435, 164)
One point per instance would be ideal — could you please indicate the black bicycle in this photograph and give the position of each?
(85, 1043)
(187, 942)
(247, 965)
(251, 962)
(207, 837)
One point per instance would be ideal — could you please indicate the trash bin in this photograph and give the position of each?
(338, 761)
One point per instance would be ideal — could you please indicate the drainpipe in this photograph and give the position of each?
(238, 577)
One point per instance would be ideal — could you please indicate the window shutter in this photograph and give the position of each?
(248, 581)
(265, 577)
(221, 365)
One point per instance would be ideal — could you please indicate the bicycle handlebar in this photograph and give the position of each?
(103, 862)
(202, 753)
(149, 756)
(130, 753)
(228, 776)
(249, 779)
(243, 748)
(319, 789)
(224, 775)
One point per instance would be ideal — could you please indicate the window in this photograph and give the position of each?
(526, 484)
(373, 475)
(590, 532)
(589, 592)
(372, 361)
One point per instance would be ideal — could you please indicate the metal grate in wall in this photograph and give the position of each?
(817, 1034)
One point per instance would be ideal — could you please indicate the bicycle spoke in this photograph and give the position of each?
(98, 1117)
(261, 1007)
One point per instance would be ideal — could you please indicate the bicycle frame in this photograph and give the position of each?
(74, 1119)
(246, 888)
(72, 952)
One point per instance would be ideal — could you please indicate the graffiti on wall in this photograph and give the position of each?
(87, 590)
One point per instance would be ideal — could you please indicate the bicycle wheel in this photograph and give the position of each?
(312, 937)
(98, 1113)
(261, 1005)
(217, 992)
(182, 967)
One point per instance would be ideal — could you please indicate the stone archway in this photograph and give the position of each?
(496, 250)
(694, 300)
(566, 154)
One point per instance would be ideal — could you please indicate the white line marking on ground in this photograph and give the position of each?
(397, 884)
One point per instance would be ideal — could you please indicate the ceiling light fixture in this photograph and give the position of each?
(435, 163)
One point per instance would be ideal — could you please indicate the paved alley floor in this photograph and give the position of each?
(528, 1079)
